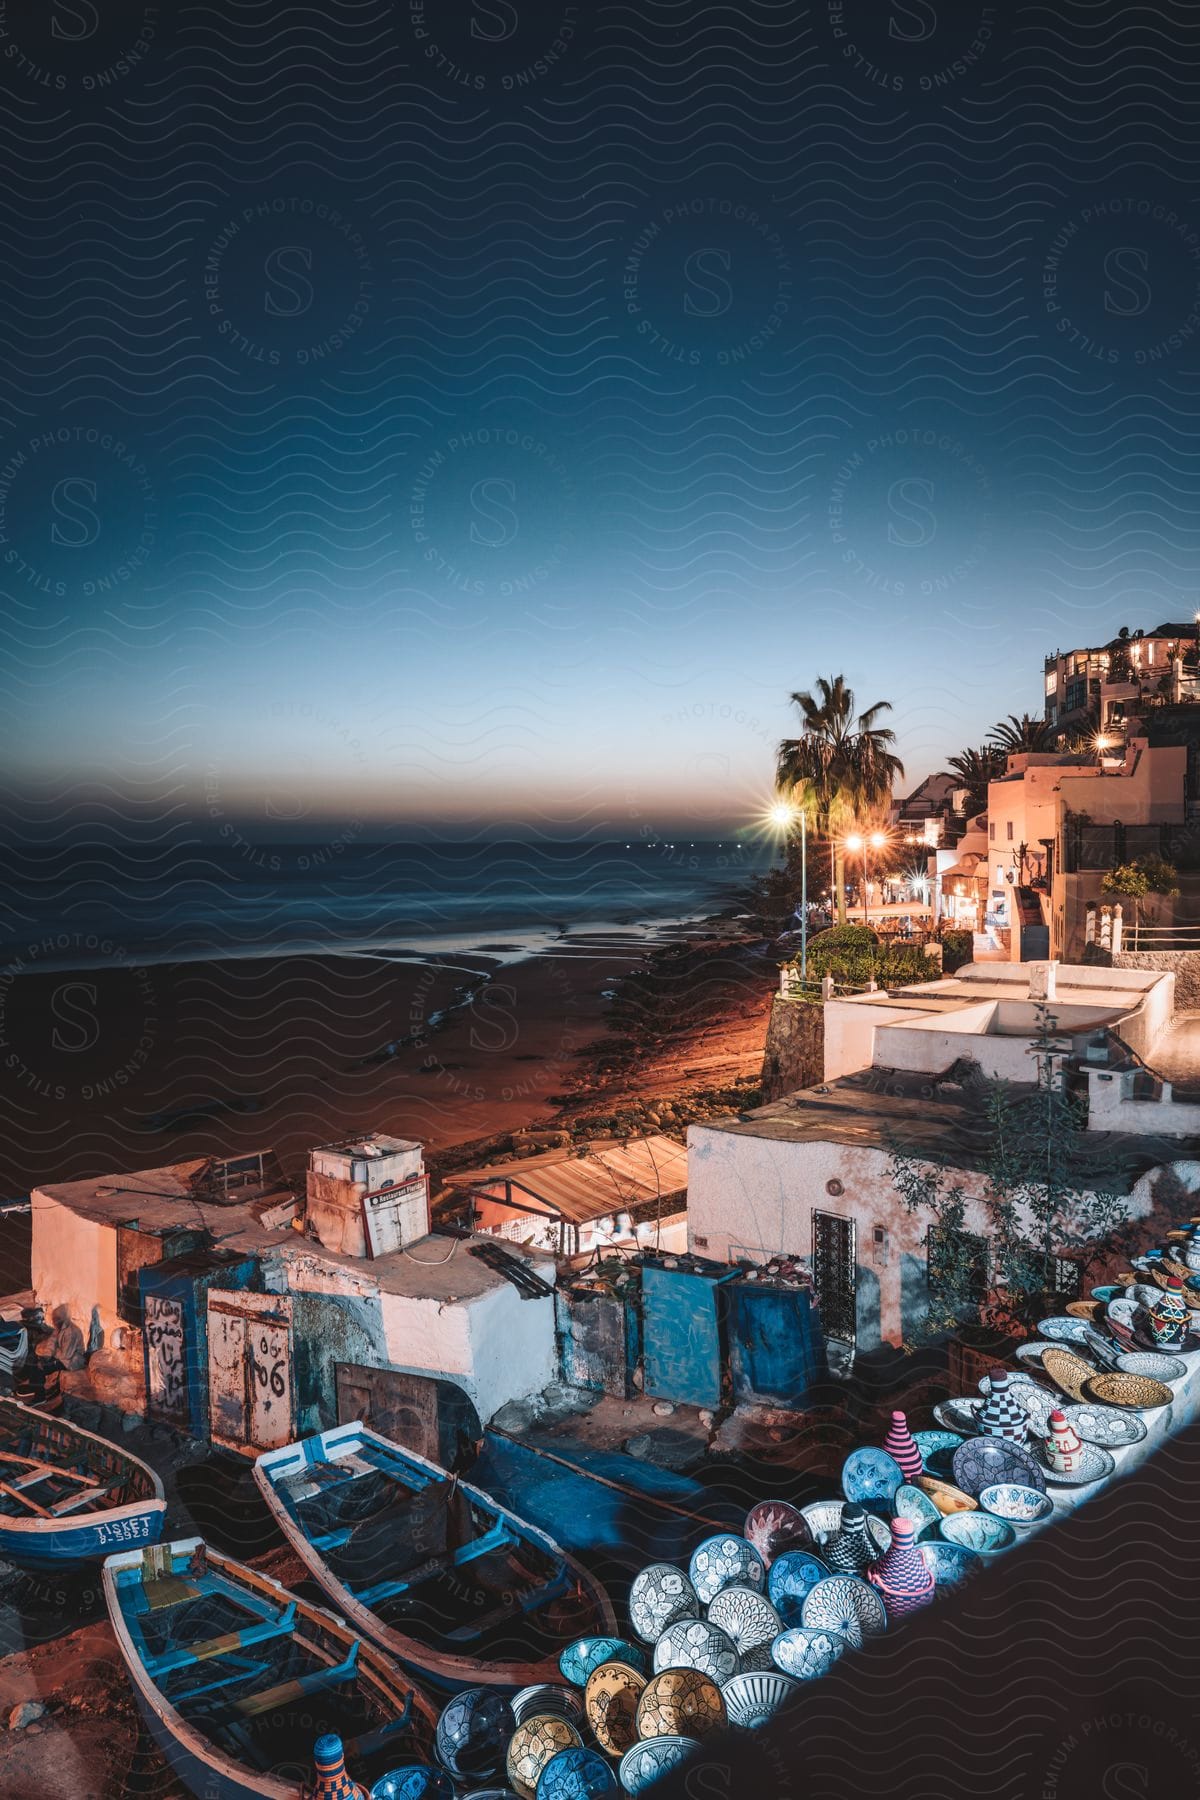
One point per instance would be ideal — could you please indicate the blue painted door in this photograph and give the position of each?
(683, 1329)
(777, 1350)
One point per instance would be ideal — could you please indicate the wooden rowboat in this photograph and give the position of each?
(236, 1678)
(438, 1574)
(67, 1496)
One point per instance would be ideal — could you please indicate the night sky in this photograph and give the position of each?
(474, 415)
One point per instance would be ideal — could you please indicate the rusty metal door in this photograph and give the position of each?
(227, 1374)
(269, 1374)
(835, 1275)
(166, 1373)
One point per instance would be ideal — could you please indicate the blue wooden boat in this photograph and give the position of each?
(67, 1496)
(431, 1569)
(236, 1677)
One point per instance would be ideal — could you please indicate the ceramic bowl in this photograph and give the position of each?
(948, 1563)
(871, 1477)
(747, 1618)
(1015, 1504)
(611, 1702)
(576, 1774)
(959, 1415)
(413, 1781)
(680, 1703)
(978, 1531)
(807, 1651)
(750, 1700)
(648, 1762)
(945, 1496)
(473, 1733)
(847, 1604)
(825, 1521)
(1154, 1363)
(697, 1644)
(660, 1594)
(585, 1654)
(790, 1579)
(1062, 1329)
(774, 1526)
(1094, 1464)
(912, 1504)
(1107, 1293)
(1109, 1426)
(532, 1746)
(725, 1561)
(547, 1697)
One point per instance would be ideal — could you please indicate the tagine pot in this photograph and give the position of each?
(901, 1447)
(1002, 1414)
(902, 1576)
(329, 1779)
(1169, 1317)
(851, 1550)
(1064, 1446)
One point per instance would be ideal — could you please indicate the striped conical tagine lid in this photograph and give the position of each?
(851, 1550)
(329, 1778)
(901, 1447)
(902, 1575)
(1002, 1414)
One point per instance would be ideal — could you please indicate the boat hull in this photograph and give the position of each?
(38, 1544)
(37, 1537)
(445, 1671)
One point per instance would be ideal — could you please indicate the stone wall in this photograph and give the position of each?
(1183, 964)
(795, 1051)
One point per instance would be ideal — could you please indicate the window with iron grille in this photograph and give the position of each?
(957, 1258)
(1068, 1277)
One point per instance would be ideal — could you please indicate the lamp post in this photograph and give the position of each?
(857, 842)
(784, 814)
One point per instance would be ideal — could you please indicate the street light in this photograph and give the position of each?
(783, 815)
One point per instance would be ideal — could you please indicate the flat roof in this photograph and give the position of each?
(177, 1194)
(370, 1144)
(611, 1176)
(432, 1268)
(940, 1120)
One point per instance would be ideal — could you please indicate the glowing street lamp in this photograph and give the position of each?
(783, 815)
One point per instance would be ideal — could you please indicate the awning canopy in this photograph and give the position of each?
(610, 1177)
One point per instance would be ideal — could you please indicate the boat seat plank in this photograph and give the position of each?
(25, 1500)
(496, 1539)
(528, 1602)
(332, 1540)
(242, 1669)
(76, 1502)
(281, 1626)
(254, 1705)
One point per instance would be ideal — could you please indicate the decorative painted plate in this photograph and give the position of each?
(647, 1763)
(725, 1561)
(1107, 1426)
(1068, 1371)
(585, 1654)
(774, 1526)
(984, 1461)
(949, 1563)
(697, 1644)
(678, 1698)
(414, 1781)
(791, 1579)
(1108, 1292)
(611, 1702)
(750, 1700)
(747, 1619)
(1094, 1465)
(1129, 1390)
(576, 1775)
(806, 1651)
(1016, 1503)
(959, 1416)
(911, 1503)
(547, 1697)
(945, 1496)
(871, 1477)
(1121, 1312)
(1091, 1310)
(847, 1604)
(1154, 1363)
(929, 1443)
(532, 1746)
(825, 1521)
(660, 1594)
(1062, 1329)
(978, 1531)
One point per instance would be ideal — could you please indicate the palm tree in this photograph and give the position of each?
(840, 765)
(1013, 735)
(973, 769)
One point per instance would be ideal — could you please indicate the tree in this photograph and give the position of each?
(1013, 735)
(1134, 880)
(973, 769)
(1043, 1194)
(841, 765)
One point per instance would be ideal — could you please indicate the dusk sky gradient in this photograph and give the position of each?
(484, 415)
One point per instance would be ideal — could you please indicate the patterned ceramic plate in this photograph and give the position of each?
(750, 1700)
(825, 1519)
(646, 1763)
(680, 1697)
(871, 1476)
(1144, 1339)
(1153, 1363)
(985, 1461)
(725, 1561)
(1038, 1402)
(978, 1531)
(807, 1651)
(660, 1594)
(747, 1618)
(1092, 1310)
(950, 1562)
(1068, 1371)
(930, 1442)
(911, 1503)
(697, 1644)
(774, 1526)
(1128, 1390)
(945, 1496)
(847, 1604)
(958, 1416)
(611, 1702)
(1105, 1425)
(1120, 1313)
(585, 1654)
(1063, 1329)
(791, 1579)
(1030, 1353)
(1094, 1465)
(1018, 1504)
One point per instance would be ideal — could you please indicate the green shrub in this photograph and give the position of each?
(958, 947)
(896, 965)
(844, 937)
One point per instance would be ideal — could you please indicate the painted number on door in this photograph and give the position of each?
(270, 1384)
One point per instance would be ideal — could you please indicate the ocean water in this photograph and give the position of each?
(136, 904)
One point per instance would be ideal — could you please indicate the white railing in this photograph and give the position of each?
(1164, 937)
(1104, 925)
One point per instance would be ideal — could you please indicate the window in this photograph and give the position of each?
(992, 831)
(1008, 828)
(958, 1262)
(1067, 1277)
